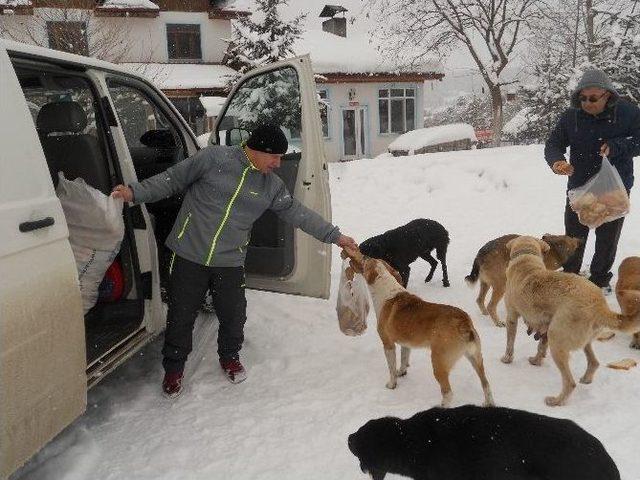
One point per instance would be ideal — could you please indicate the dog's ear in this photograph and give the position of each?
(349, 272)
(369, 271)
(629, 301)
(544, 246)
(509, 245)
(393, 272)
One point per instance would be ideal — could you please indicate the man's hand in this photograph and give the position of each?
(562, 167)
(123, 192)
(604, 150)
(346, 242)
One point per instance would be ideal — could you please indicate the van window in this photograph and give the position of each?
(63, 109)
(154, 143)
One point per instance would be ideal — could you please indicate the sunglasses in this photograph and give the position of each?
(591, 98)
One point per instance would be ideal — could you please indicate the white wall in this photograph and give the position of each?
(366, 95)
(143, 39)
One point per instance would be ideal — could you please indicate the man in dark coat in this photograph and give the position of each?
(599, 123)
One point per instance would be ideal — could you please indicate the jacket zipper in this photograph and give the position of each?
(184, 226)
(226, 216)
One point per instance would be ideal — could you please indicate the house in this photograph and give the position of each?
(178, 44)
(367, 101)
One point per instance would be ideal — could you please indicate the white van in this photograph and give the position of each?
(95, 120)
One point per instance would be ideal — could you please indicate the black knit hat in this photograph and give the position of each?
(269, 139)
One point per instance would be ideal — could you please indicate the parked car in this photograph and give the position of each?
(94, 120)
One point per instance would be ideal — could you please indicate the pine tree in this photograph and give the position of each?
(263, 37)
(259, 40)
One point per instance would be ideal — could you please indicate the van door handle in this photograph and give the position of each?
(36, 224)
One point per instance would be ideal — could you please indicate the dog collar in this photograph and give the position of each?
(525, 252)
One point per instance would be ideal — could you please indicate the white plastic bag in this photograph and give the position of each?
(602, 199)
(96, 230)
(353, 302)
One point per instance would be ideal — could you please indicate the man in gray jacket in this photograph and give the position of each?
(226, 190)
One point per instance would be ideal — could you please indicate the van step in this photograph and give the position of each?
(107, 324)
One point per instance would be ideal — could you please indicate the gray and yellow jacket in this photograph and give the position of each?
(224, 195)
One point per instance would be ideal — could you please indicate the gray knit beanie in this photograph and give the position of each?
(593, 78)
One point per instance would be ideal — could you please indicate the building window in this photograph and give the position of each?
(397, 109)
(183, 42)
(68, 37)
(324, 111)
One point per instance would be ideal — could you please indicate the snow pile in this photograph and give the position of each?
(426, 137)
(309, 386)
(130, 4)
(183, 75)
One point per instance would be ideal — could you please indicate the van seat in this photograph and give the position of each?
(69, 150)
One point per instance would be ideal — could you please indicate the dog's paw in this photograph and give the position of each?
(586, 380)
(553, 401)
(445, 283)
(391, 385)
(428, 279)
(446, 400)
(507, 359)
(635, 343)
(401, 372)
(489, 403)
(484, 311)
(535, 361)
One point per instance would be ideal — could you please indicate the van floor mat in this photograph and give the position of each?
(107, 324)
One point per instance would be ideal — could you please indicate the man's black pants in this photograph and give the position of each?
(607, 236)
(188, 284)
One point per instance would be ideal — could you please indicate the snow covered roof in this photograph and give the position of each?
(180, 76)
(8, 5)
(212, 105)
(130, 4)
(354, 54)
(425, 137)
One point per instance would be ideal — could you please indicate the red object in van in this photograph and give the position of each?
(112, 285)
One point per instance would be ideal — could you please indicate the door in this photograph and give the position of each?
(42, 342)
(354, 128)
(280, 258)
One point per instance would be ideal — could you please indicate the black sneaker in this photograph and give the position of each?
(172, 384)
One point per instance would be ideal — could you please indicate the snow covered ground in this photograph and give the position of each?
(309, 386)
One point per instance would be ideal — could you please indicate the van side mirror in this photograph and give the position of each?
(158, 139)
(235, 136)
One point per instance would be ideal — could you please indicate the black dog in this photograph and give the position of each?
(480, 443)
(402, 246)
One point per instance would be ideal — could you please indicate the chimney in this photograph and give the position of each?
(335, 25)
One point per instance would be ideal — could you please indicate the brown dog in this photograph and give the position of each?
(566, 309)
(628, 291)
(410, 322)
(490, 266)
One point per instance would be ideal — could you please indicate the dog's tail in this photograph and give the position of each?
(620, 322)
(472, 278)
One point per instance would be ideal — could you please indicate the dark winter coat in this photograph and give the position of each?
(618, 126)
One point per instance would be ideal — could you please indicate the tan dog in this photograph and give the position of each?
(490, 267)
(566, 309)
(409, 321)
(628, 291)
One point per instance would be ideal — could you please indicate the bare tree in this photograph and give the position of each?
(489, 29)
(73, 28)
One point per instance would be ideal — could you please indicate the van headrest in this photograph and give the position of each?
(61, 117)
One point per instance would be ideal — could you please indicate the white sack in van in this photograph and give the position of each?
(96, 230)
